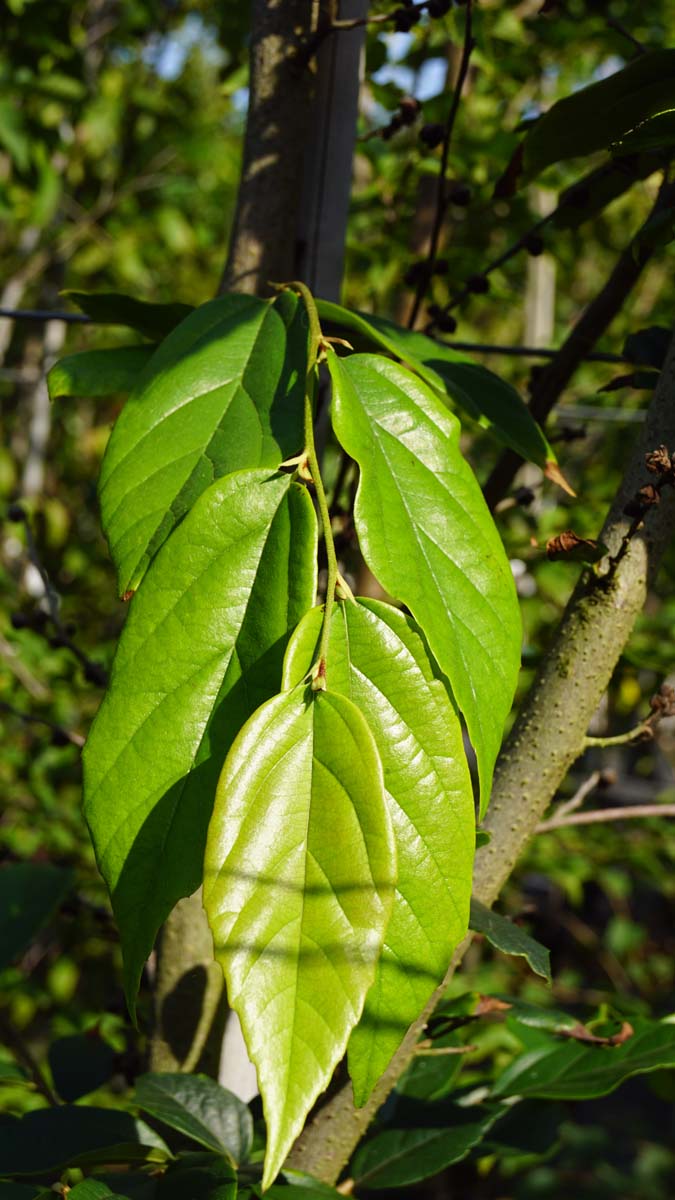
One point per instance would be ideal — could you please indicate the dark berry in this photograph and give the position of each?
(60, 738)
(477, 284)
(16, 512)
(460, 195)
(432, 135)
(441, 266)
(416, 273)
(95, 673)
(20, 620)
(438, 8)
(446, 323)
(409, 107)
(57, 642)
(434, 311)
(534, 244)
(404, 19)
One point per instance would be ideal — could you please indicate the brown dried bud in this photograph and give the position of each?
(645, 498)
(662, 703)
(659, 461)
(572, 548)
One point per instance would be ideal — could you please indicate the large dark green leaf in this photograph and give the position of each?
(222, 393)
(114, 308)
(398, 1157)
(378, 659)
(486, 398)
(656, 133)
(299, 873)
(72, 1136)
(98, 372)
(29, 893)
(80, 1063)
(507, 937)
(594, 117)
(574, 1071)
(427, 535)
(202, 647)
(211, 1179)
(199, 1108)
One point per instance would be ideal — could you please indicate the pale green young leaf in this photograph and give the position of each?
(223, 392)
(378, 658)
(201, 649)
(427, 535)
(299, 874)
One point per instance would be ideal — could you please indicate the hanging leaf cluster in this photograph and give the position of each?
(306, 764)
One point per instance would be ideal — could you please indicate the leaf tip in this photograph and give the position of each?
(552, 471)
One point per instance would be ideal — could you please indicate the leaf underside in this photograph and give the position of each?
(426, 533)
(202, 648)
(298, 883)
(378, 659)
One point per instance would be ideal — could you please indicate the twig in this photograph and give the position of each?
(589, 785)
(628, 812)
(612, 23)
(312, 43)
(41, 314)
(29, 719)
(441, 190)
(602, 310)
(94, 671)
(639, 733)
(30, 682)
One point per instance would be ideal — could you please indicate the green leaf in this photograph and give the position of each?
(29, 894)
(75, 1136)
(656, 133)
(222, 393)
(445, 1135)
(594, 117)
(574, 1071)
(79, 1064)
(427, 535)
(199, 1108)
(379, 660)
(213, 1179)
(298, 886)
(495, 404)
(154, 321)
(201, 649)
(507, 937)
(98, 372)
(648, 347)
(91, 1189)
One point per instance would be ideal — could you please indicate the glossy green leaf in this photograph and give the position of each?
(298, 886)
(571, 1070)
(74, 1136)
(509, 938)
(222, 393)
(114, 308)
(594, 117)
(29, 893)
(486, 398)
(199, 1108)
(93, 1189)
(445, 1135)
(378, 658)
(201, 649)
(79, 1064)
(427, 535)
(98, 372)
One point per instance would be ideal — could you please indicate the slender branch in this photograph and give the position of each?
(41, 314)
(553, 380)
(626, 813)
(640, 733)
(29, 719)
(589, 785)
(441, 190)
(612, 23)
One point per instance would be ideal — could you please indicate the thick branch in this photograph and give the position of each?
(554, 378)
(546, 739)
